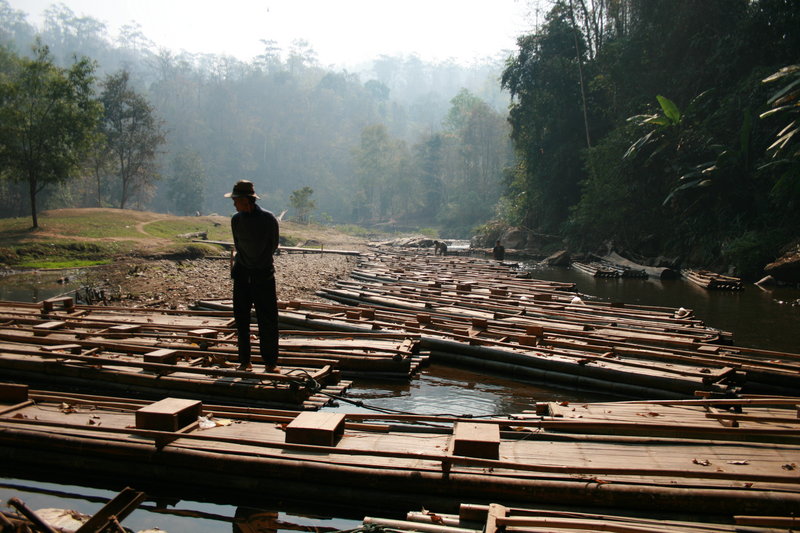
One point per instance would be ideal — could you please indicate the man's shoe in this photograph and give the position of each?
(245, 368)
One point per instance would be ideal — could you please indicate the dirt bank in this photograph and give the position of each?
(179, 283)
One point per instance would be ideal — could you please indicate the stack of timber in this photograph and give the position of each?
(713, 281)
(58, 520)
(498, 518)
(402, 460)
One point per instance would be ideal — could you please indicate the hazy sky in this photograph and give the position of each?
(342, 32)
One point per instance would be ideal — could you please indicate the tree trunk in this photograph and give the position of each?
(32, 189)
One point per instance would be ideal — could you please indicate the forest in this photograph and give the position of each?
(655, 127)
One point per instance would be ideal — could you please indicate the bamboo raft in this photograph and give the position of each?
(408, 460)
(583, 359)
(189, 352)
(597, 269)
(713, 281)
(498, 518)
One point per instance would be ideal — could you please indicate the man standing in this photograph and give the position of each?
(255, 239)
(499, 251)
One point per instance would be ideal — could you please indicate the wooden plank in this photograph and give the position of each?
(46, 327)
(475, 439)
(163, 355)
(319, 429)
(169, 414)
(114, 511)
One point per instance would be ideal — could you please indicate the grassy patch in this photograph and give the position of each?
(94, 224)
(60, 254)
(75, 263)
(216, 230)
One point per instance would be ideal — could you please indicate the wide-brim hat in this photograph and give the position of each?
(243, 189)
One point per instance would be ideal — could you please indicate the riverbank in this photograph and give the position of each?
(152, 259)
(179, 283)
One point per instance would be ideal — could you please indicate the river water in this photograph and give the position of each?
(760, 318)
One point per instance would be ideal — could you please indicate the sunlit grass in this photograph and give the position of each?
(96, 224)
(216, 228)
(75, 263)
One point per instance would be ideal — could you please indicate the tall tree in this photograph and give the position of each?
(186, 186)
(133, 135)
(301, 201)
(547, 121)
(48, 117)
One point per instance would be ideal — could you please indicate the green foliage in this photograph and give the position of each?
(785, 151)
(132, 135)
(186, 187)
(301, 201)
(749, 252)
(547, 120)
(47, 119)
(692, 172)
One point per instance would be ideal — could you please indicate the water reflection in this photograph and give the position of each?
(765, 318)
(38, 285)
(171, 514)
(444, 390)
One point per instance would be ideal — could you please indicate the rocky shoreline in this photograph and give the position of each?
(179, 283)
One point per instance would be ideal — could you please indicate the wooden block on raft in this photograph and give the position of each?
(204, 332)
(527, 340)
(542, 297)
(67, 302)
(318, 429)
(163, 355)
(475, 439)
(480, 323)
(13, 393)
(123, 330)
(534, 331)
(46, 327)
(169, 414)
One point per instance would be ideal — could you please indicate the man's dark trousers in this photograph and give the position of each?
(256, 288)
